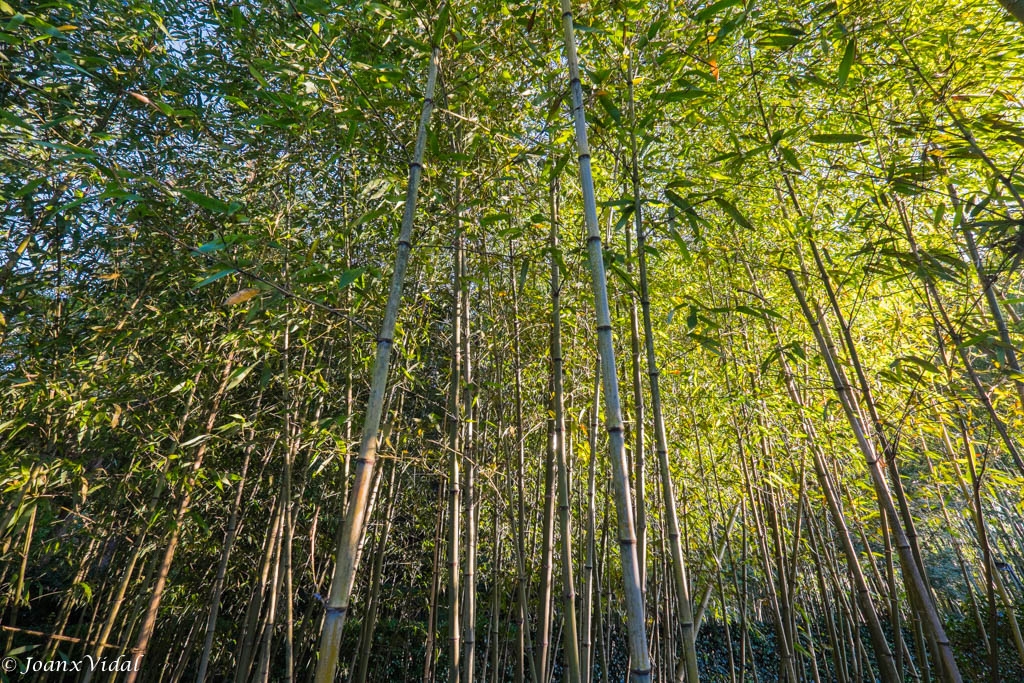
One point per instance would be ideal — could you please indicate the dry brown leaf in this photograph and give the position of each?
(241, 296)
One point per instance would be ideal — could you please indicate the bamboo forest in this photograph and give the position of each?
(455, 341)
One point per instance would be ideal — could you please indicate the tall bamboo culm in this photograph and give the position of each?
(640, 660)
(679, 573)
(918, 593)
(348, 541)
(570, 637)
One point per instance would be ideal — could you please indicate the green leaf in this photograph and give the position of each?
(86, 590)
(213, 278)
(837, 138)
(679, 201)
(495, 218)
(733, 212)
(440, 25)
(714, 8)
(259, 77)
(681, 243)
(844, 66)
(921, 363)
(350, 276)
(609, 106)
(209, 203)
(690, 93)
(213, 245)
(624, 276)
(790, 158)
(196, 439)
(14, 120)
(236, 378)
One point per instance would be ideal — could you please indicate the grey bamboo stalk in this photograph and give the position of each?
(85, 562)
(291, 430)
(19, 597)
(943, 318)
(867, 396)
(469, 575)
(679, 574)
(838, 658)
(757, 501)
(979, 521)
(569, 633)
(495, 649)
(912, 577)
(270, 618)
(246, 653)
(973, 498)
(352, 529)
(137, 541)
(428, 658)
(883, 654)
(454, 484)
(639, 418)
(964, 572)
(373, 606)
(603, 617)
(517, 485)
(544, 612)
(635, 619)
(524, 639)
(586, 651)
(701, 605)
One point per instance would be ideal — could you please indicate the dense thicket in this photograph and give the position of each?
(232, 449)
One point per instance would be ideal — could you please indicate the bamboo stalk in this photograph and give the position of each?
(468, 455)
(184, 502)
(373, 605)
(570, 643)
(681, 580)
(920, 596)
(586, 628)
(352, 529)
(635, 619)
(218, 583)
(454, 478)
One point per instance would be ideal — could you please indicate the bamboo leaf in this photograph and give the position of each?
(213, 278)
(350, 276)
(715, 8)
(236, 377)
(441, 25)
(846, 63)
(210, 203)
(733, 212)
(790, 157)
(837, 138)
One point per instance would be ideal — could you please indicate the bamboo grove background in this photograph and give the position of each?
(808, 220)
